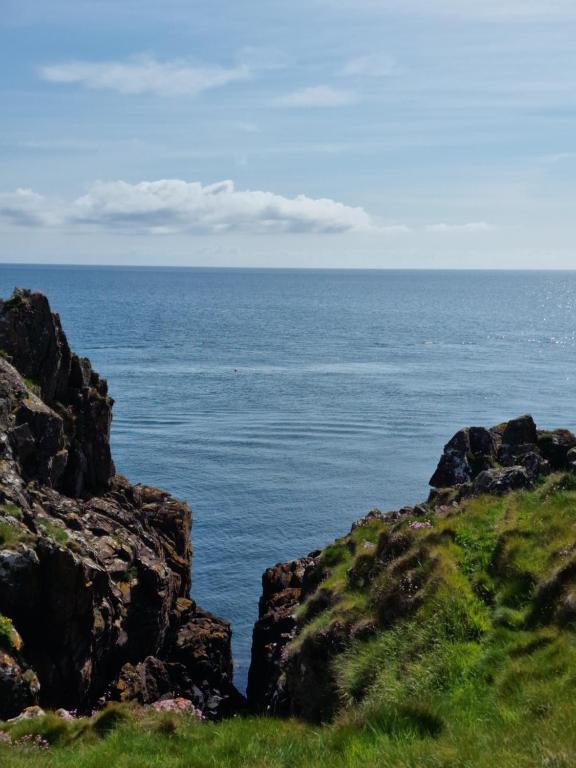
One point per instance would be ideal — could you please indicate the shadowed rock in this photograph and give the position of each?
(95, 573)
(475, 459)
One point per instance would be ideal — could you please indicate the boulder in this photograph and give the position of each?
(474, 451)
(19, 686)
(468, 453)
(499, 481)
(555, 447)
(520, 431)
(282, 588)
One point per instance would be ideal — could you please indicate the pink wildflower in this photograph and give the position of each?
(32, 740)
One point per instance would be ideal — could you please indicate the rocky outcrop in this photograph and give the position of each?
(506, 457)
(94, 572)
(294, 657)
(75, 456)
(282, 589)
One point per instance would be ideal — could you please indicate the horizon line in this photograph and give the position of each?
(71, 265)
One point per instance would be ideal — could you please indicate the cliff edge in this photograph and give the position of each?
(95, 573)
(423, 604)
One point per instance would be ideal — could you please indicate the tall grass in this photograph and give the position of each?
(473, 677)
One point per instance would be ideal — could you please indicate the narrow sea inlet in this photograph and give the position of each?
(283, 405)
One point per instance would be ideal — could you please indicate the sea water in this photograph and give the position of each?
(283, 405)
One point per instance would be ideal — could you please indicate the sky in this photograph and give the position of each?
(300, 133)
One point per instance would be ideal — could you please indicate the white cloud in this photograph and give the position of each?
(144, 74)
(472, 226)
(317, 96)
(173, 206)
(371, 65)
(26, 208)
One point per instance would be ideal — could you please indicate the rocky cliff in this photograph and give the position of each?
(94, 572)
(457, 563)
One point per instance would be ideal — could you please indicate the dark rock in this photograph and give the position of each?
(310, 684)
(555, 447)
(499, 481)
(95, 573)
(73, 412)
(468, 453)
(520, 431)
(535, 465)
(275, 628)
(453, 467)
(148, 681)
(18, 687)
(474, 451)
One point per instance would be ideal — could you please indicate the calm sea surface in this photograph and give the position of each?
(283, 405)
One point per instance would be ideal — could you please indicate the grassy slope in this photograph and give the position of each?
(480, 673)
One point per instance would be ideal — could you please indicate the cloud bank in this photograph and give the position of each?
(174, 206)
(144, 74)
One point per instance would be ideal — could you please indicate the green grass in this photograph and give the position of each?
(472, 665)
(11, 509)
(10, 534)
(56, 532)
(9, 638)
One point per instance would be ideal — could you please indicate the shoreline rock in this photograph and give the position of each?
(291, 672)
(95, 573)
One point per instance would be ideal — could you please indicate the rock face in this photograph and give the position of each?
(75, 456)
(292, 671)
(282, 588)
(506, 457)
(94, 572)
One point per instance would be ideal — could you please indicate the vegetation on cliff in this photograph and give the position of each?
(465, 653)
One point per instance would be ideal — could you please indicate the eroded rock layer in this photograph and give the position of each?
(94, 572)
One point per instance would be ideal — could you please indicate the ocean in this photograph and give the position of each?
(284, 404)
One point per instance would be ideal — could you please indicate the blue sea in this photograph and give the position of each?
(283, 405)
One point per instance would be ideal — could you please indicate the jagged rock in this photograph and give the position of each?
(70, 420)
(95, 573)
(282, 588)
(498, 481)
(310, 687)
(148, 681)
(374, 514)
(555, 447)
(520, 431)
(469, 452)
(475, 451)
(18, 686)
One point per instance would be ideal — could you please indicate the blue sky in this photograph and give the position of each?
(345, 133)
